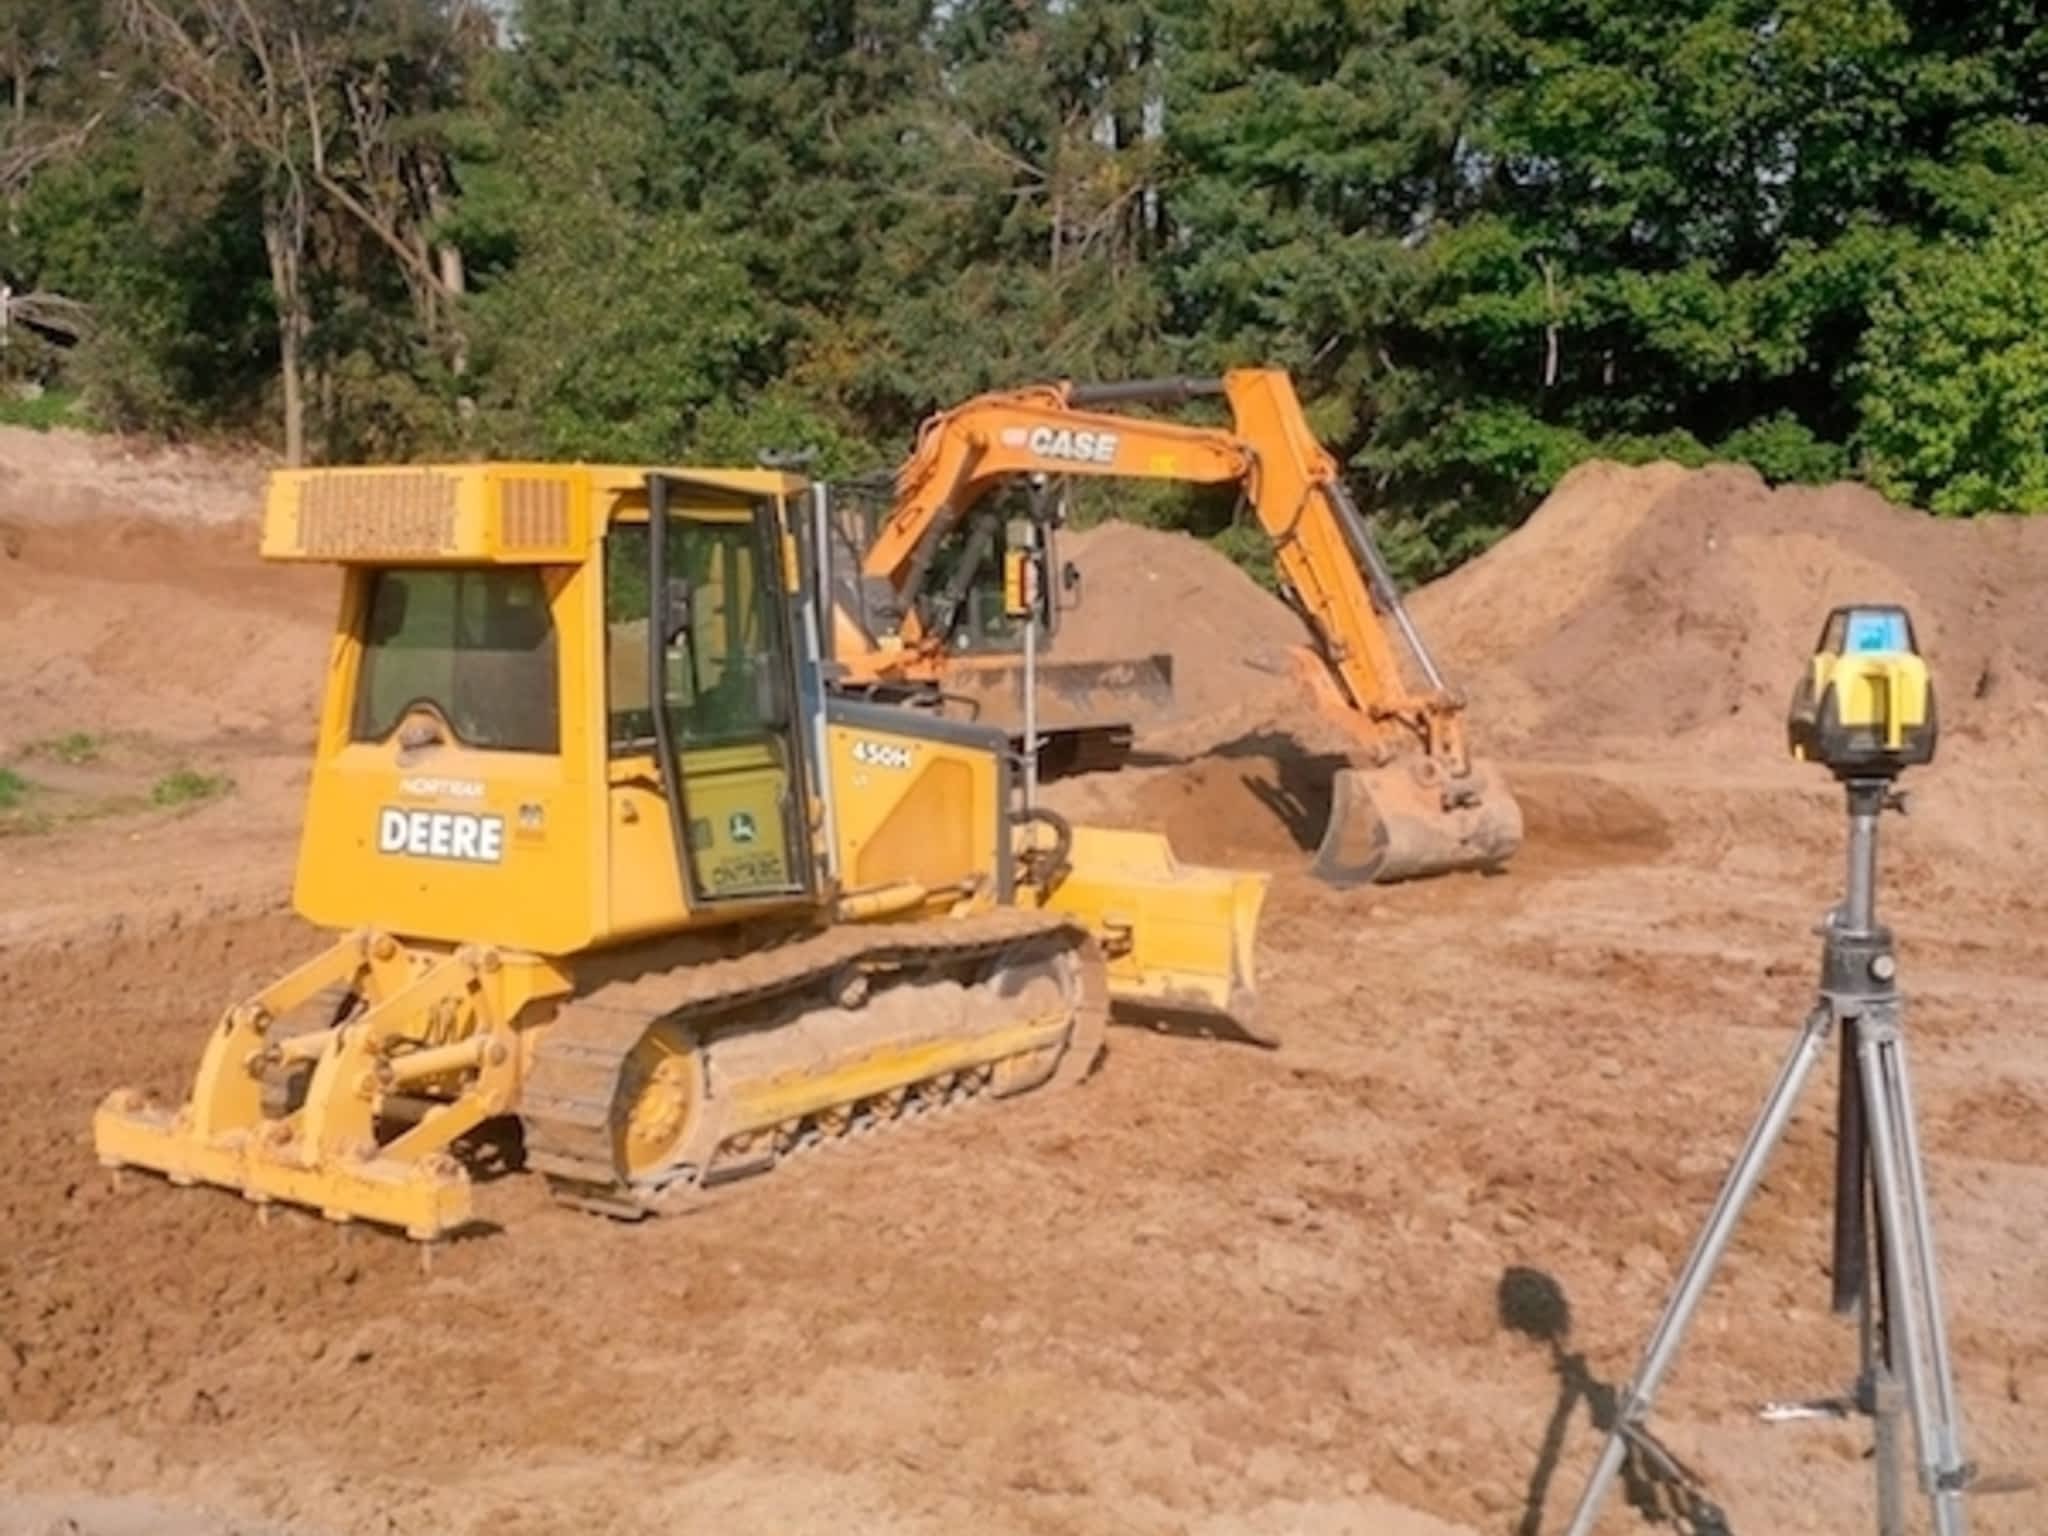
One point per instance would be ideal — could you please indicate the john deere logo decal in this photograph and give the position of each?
(741, 827)
(441, 835)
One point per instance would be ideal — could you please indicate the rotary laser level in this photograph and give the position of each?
(1865, 711)
(1865, 707)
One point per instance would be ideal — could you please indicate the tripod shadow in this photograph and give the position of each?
(1657, 1485)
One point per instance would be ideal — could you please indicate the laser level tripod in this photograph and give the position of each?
(1865, 710)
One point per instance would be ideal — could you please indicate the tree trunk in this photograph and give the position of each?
(455, 281)
(447, 257)
(284, 241)
(1550, 332)
(454, 284)
(16, 192)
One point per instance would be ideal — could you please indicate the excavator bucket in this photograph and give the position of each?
(1411, 819)
(1179, 938)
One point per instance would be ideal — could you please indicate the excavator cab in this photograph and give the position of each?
(1085, 709)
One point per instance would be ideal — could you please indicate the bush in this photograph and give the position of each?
(45, 409)
(1954, 375)
(1783, 448)
(185, 787)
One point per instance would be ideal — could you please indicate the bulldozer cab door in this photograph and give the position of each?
(695, 603)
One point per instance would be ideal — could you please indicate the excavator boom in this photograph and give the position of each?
(1414, 802)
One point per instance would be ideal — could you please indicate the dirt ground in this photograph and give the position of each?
(1379, 1280)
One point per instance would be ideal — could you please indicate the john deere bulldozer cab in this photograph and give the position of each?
(467, 750)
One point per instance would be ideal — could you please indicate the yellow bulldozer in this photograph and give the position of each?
(604, 853)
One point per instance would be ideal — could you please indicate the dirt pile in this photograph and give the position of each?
(1664, 612)
(135, 603)
(1648, 611)
(1651, 615)
(1146, 591)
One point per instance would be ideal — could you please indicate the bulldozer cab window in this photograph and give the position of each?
(477, 645)
(722, 682)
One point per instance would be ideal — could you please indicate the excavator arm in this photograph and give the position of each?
(1290, 481)
(1416, 803)
(965, 453)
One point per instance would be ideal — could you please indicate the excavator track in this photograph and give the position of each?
(647, 1091)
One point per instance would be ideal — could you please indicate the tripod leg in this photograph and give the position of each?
(1866, 1285)
(1852, 1183)
(1882, 1388)
(1917, 1333)
(1633, 1406)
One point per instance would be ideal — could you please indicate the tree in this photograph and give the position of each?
(1027, 217)
(1488, 237)
(615, 327)
(165, 241)
(1314, 150)
(1666, 225)
(50, 57)
(314, 95)
(56, 100)
(1955, 379)
(235, 74)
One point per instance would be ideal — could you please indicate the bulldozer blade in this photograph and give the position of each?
(1410, 820)
(1178, 938)
(1073, 696)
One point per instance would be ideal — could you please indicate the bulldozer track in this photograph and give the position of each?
(571, 1096)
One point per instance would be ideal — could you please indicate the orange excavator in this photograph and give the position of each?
(1412, 802)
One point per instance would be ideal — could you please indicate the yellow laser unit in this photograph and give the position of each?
(1864, 708)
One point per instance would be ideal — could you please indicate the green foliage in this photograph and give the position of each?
(165, 246)
(1955, 389)
(1310, 146)
(1783, 448)
(615, 327)
(1250, 548)
(74, 748)
(13, 789)
(184, 786)
(781, 424)
(44, 410)
(1663, 237)
(611, 343)
(1489, 238)
(1030, 236)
